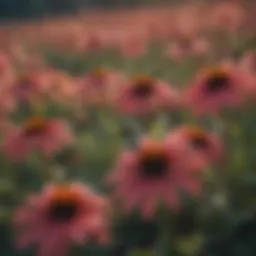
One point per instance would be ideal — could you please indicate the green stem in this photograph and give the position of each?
(160, 126)
(44, 168)
(165, 246)
(233, 131)
(146, 123)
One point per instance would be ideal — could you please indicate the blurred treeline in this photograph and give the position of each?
(40, 8)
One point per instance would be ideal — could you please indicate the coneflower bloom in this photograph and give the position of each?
(186, 47)
(157, 32)
(226, 16)
(61, 215)
(5, 125)
(4, 63)
(145, 95)
(155, 171)
(248, 65)
(133, 47)
(6, 72)
(7, 102)
(61, 88)
(99, 87)
(29, 87)
(93, 43)
(216, 89)
(37, 133)
(248, 62)
(206, 145)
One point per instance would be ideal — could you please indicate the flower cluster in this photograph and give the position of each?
(164, 136)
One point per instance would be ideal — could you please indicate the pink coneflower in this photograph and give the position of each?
(248, 62)
(37, 133)
(61, 87)
(161, 29)
(93, 43)
(4, 63)
(29, 87)
(156, 31)
(5, 125)
(216, 89)
(186, 47)
(133, 47)
(248, 66)
(99, 87)
(145, 95)
(206, 145)
(7, 102)
(6, 71)
(227, 16)
(61, 215)
(154, 171)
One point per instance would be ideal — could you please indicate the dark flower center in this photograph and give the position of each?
(35, 126)
(98, 76)
(143, 88)
(198, 138)
(153, 166)
(61, 211)
(199, 142)
(217, 83)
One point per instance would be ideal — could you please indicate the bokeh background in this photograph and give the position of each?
(76, 36)
(42, 8)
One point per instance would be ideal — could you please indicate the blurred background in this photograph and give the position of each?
(41, 8)
(76, 36)
(14, 9)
